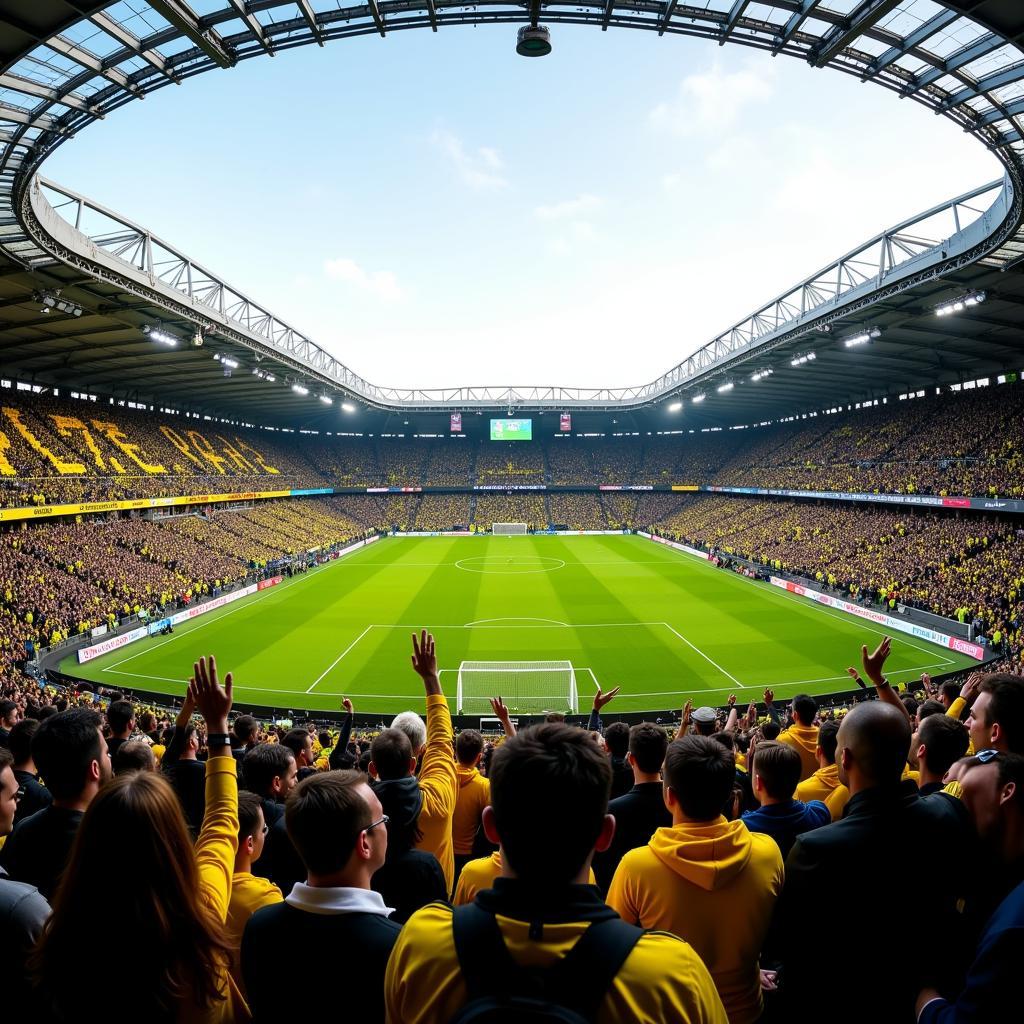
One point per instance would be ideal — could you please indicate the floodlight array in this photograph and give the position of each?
(972, 298)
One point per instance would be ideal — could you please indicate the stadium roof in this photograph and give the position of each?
(65, 63)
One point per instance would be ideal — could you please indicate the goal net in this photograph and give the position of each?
(508, 529)
(526, 687)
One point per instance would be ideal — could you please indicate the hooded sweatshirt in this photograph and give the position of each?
(713, 884)
(473, 796)
(824, 785)
(480, 874)
(785, 821)
(804, 740)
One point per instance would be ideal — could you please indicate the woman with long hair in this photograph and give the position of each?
(138, 919)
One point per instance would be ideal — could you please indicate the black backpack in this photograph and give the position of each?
(570, 991)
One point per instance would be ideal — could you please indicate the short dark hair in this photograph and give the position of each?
(779, 767)
(324, 739)
(20, 740)
(136, 756)
(648, 743)
(119, 715)
(950, 689)
(295, 741)
(63, 748)
(47, 711)
(391, 753)
(616, 737)
(324, 815)
(945, 741)
(1006, 707)
(771, 730)
(6, 707)
(245, 727)
(6, 759)
(262, 764)
(930, 707)
(701, 773)
(828, 740)
(250, 807)
(549, 792)
(725, 739)
(469, 745)
(804, 709)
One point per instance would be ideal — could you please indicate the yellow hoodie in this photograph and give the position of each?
(438, 786)
(713, 884)
(480, 874)
(824, 785)
(804, 740)
(473, 796)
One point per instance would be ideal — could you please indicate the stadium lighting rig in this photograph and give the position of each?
(347, 407)
(675, 407)
(299, 389)
(158, 334)
(727, 386)
(863, 338)
(225, 361)
(807, 357)
(699, 397)
(263, 375)
(973, 298)
(761, 374)
(52, 300)
(533, 41)
(326, 399)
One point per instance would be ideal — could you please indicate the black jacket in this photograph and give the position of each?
(272, 813)
(37, 851)
(187, 778)
(861, 863)
(637, 815)
(34, 795)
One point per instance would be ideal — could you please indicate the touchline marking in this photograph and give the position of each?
(338, 658)
(742, 686)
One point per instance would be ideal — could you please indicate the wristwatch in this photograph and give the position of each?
(218, 739)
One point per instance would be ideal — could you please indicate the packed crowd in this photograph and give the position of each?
(577, 511)
(717, 875)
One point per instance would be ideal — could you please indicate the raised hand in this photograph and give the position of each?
(601, 697)
(346, 705)
(874, 662)
(855, 675)
(769, 696)
(751, 714)
(926, 682)
(972, 687)
(732, 700)
(424, 661)
(213, 700)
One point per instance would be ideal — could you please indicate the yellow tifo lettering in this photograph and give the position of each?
(6, 469)
(114, 435)
(62, 467)
(260, 461)
(66, 424)
(206, 450)
(236, 457)
(182, 445)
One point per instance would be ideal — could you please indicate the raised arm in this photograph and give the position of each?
(344, 735)
(501, 713)
(176, 744)
(873, 664)
(600, 699)
(730, 722)
(438, 779)
(769, 705)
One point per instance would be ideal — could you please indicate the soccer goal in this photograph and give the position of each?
(526, 687)
(508, 529)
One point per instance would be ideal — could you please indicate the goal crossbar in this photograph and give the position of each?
(508, 529)
(524, 686)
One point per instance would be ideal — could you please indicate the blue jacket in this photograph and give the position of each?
(993, 982)
(784, 822)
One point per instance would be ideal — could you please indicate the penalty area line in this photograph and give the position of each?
(338, 658)
(710, 661)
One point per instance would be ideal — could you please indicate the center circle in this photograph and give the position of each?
(505, 565)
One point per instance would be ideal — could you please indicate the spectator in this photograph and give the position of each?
(993, 791)
(886, 823)
(121, 720)
(246, 735)
(249, 892)
(996, 721)
(335, 822)
(135, 756)
(802, 735)
(710, 881)
(640, 812)
(167, 936)
(616, 736)
(473, 796)
(824, 784)
(72, 757)
(34, 795)
(8, 719)
(549, 798)
(776, 771)
(941, 742)
(300, 743)
(269, 771)
(427, 802)
(705, 721)
(181, 767)
(23, 910)
(948, 693)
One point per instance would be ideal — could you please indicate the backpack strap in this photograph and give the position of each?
(579, 981)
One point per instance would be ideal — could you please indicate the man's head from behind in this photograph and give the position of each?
(874, 739)
(71, 754)
(136, 756)
(251, 835)
(828, 734)
(699, 775)
(415, 728)
(269, 770)
(647, 745)
(391, 755)
(469, 748)
(246, 728)
(948, 692)
(997, 717)
(941, 742)
(121, 718)
(334, 821)
(776, 772)
(993, 793)
(616, 736)
(549, 803)
(8, 714)
(20, 743)
(300, 743)
(804, 709)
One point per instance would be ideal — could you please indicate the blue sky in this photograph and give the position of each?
(437, 211)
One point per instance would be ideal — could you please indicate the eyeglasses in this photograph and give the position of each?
(382, 820)
(985, 756)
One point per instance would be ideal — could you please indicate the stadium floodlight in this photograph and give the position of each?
(225, 361)
(52, 300)
(158, 334)
(197, 338)
(699, 397)
(958, 305)
(269, 377)
(807, 357)
(863, 338)
(299, 389)
(675, 407)
(727, 386)
(326, 399)
(533, 41)
(761, 374)
(347, 407)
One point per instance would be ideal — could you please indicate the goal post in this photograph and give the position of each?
(508, 529)
(526, 687)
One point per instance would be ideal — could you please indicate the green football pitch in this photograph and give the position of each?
(624, 611)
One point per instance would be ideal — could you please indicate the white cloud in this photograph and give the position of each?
(714, 99)
(480, 168)
(381, 283)
(569, 208)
